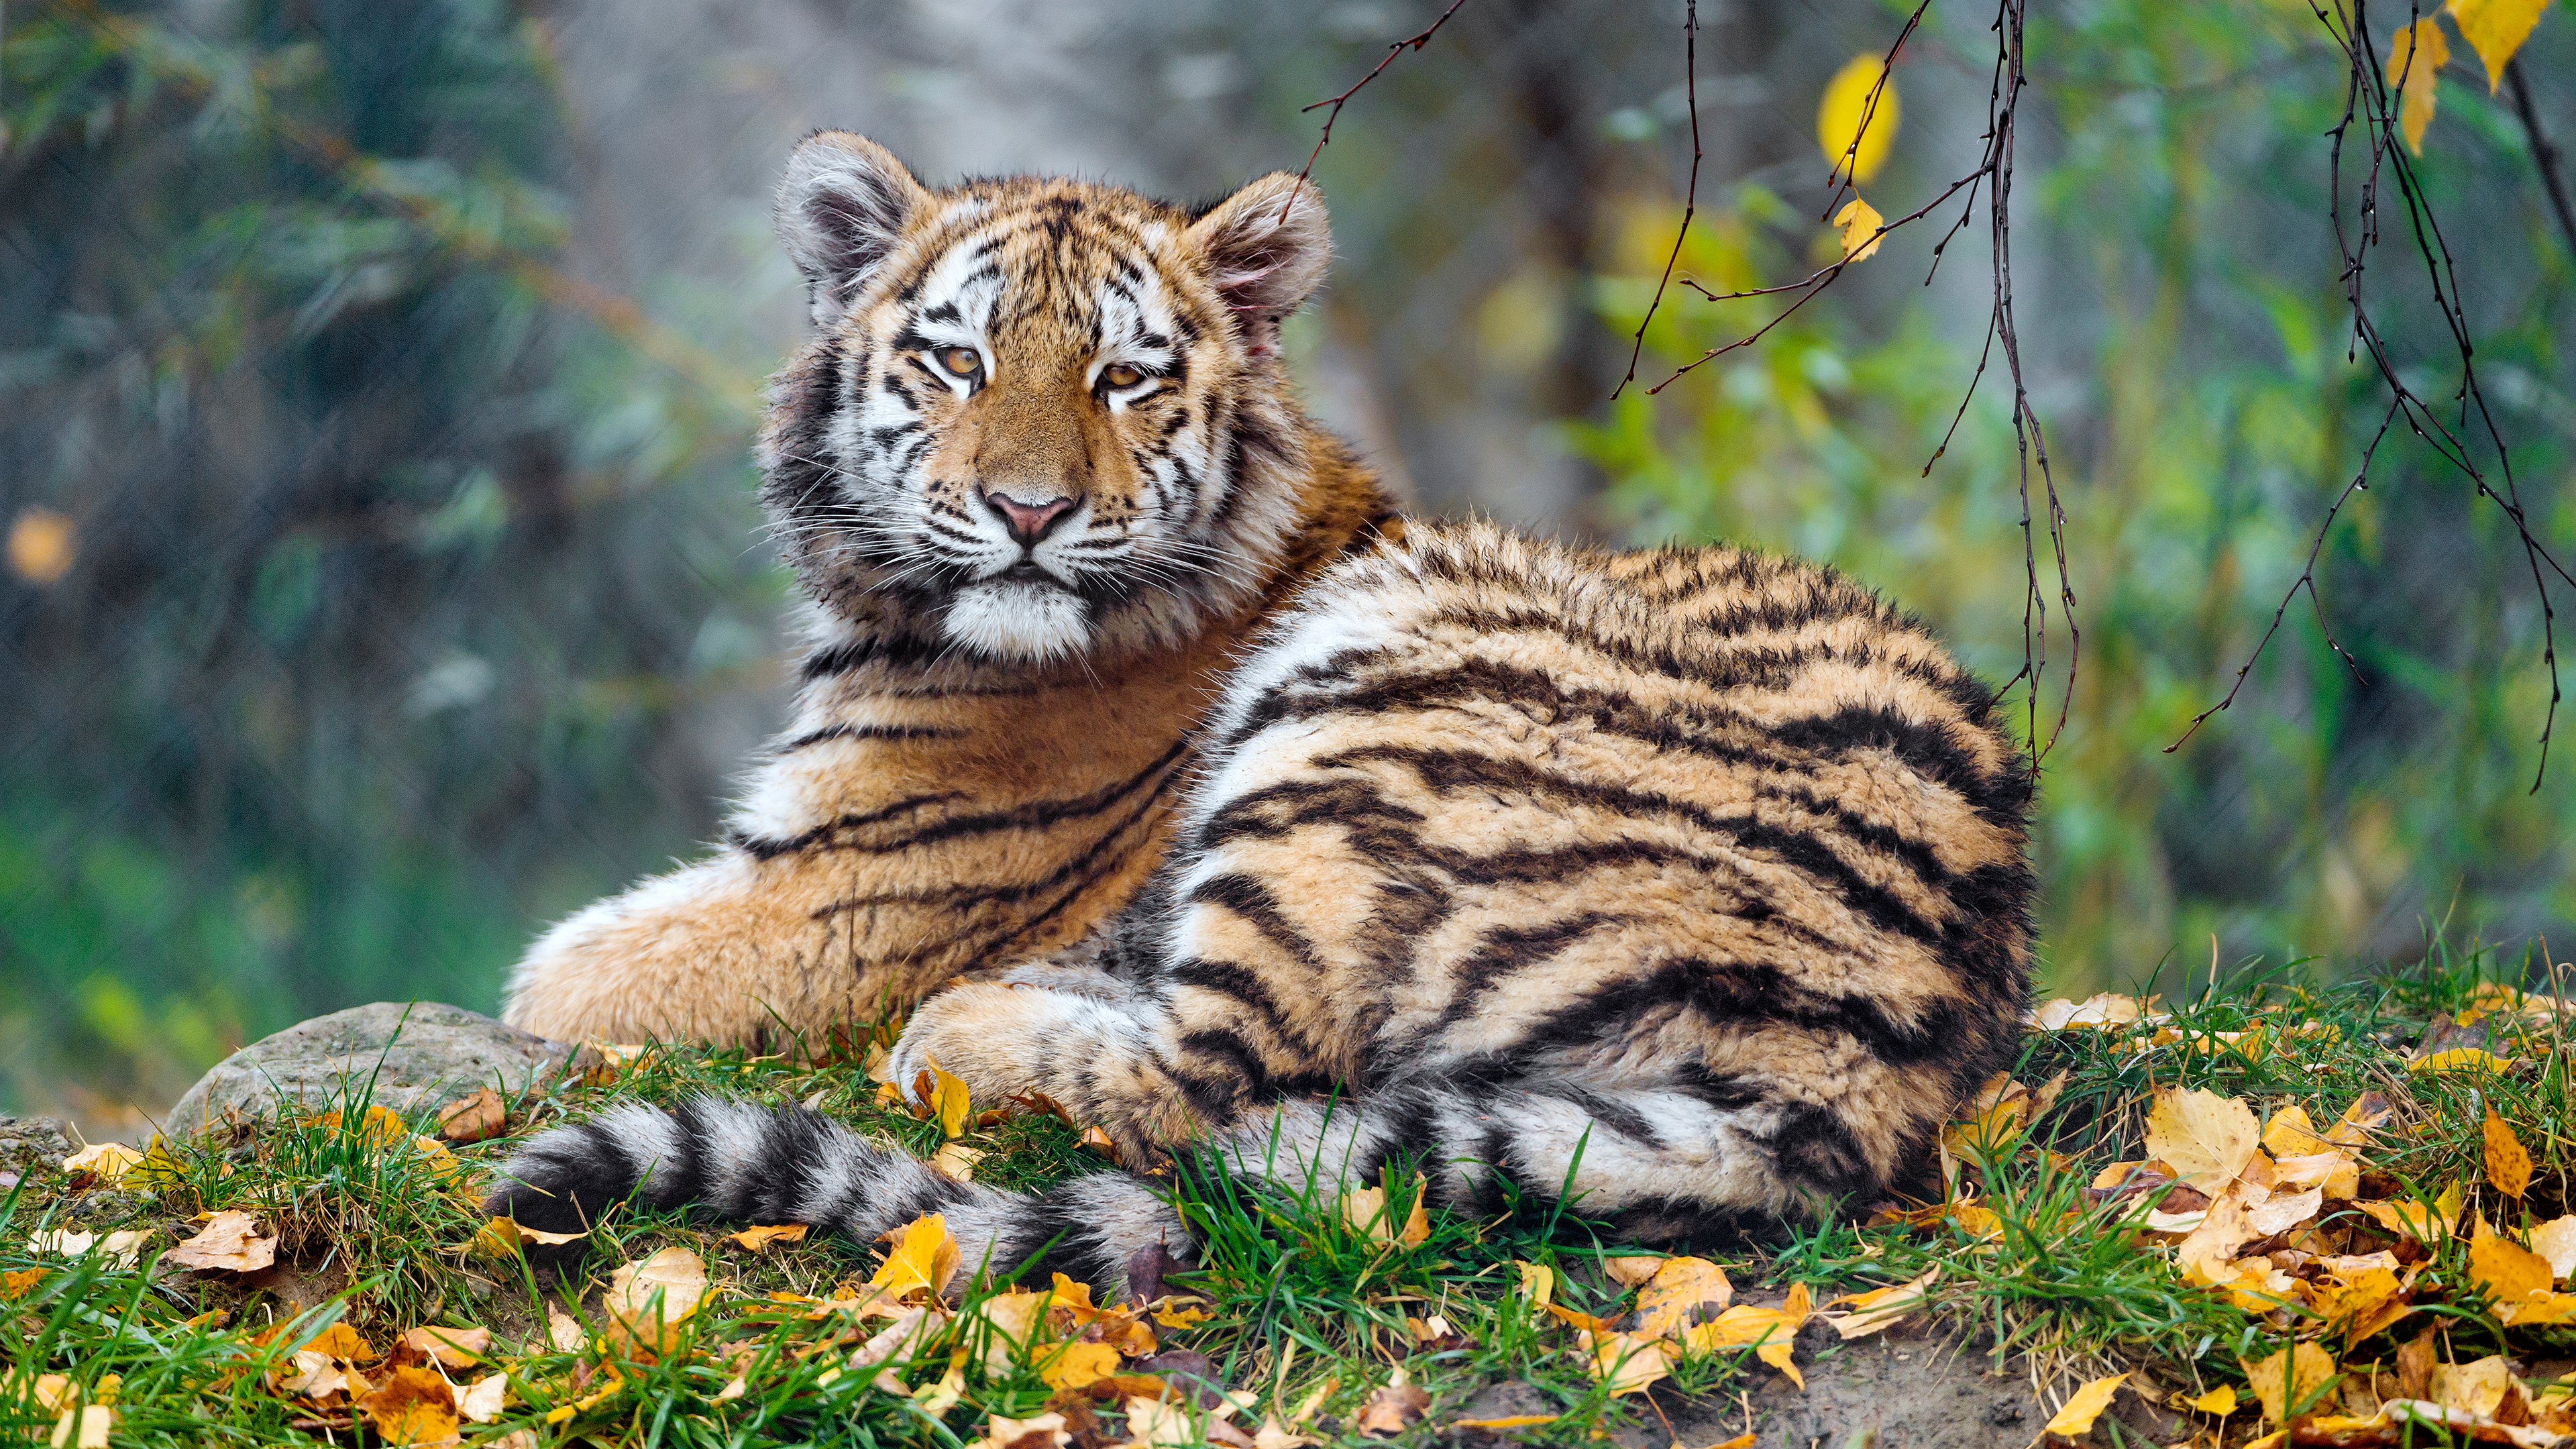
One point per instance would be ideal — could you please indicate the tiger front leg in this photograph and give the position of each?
(1096, 1056)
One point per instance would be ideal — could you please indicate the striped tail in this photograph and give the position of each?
(1649, 1162)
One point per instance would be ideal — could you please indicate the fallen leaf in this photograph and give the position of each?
(758, 1238)
(2555, 1240)
(483, 1400)
(921, 1257)
(2289, 1133)
(105, 1164)
(413, 1406)
(503, 1238)
(16, 1285)
(2457, 1059)
(956, 1160)
(1627, 1362)
(2084, 1406)
(2415, 56)
(1856, 119)
(1771, 1332)
(2360, 1120)
(2478, 1387)
(1095, 1140)
(230, 1242)
(1883, 1308)
(562, 1333)
(2281, 1211)
(2100, 1010)
(1046, 1431)
(2220, 1401)
(2505, 1272)
(454, 1347)
(648, 1303)
(1631, 1271)
(2208, 1139)
(83, 1427)
(2508, 1165)
(1078, 1365)
(2211, 1245)
(1396, 1407)
(1860, 223)
(1538, 1282)
(474, 1118)
(2495, 29)
(1507, 1421)
(1273, 1435)
(2289, 1379)
(1682, 1292)
(943, 1097)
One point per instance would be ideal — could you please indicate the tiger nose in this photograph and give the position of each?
(1029, 522)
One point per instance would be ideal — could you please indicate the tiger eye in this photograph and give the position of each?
(962, 361)
(1119, 374)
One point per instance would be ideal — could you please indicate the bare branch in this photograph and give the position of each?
(1415, 42)
(1690, 193)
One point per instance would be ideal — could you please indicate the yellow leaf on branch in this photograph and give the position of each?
(2495, 29)
(1860, 222)
(2416, 54)
(1855, 128)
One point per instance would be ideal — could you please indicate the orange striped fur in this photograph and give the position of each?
(991, 734)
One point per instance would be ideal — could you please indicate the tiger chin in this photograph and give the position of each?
(1690, 885)
(1041, 479)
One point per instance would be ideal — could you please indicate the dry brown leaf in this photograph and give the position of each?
(2508, 1165)
(477, 1117)
(2084, 1406)
(1396, 1407)
(453, 1347)
(230, 1242)
(1273, 1435)
(1683, 1291)
(413, 1406)
(921, 1257)
(648, 1303)
(757, 1238)
(2209, 1139)
(2291, 1377)
(1883, 1308)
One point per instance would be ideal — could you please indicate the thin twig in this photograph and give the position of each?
(1690, 193)
(2544, 156)
(1337, 102)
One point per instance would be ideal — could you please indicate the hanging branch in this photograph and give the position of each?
(1415, 42)
(2544, 156)
(2371, 100)
(1992, 174)
(1690, 192)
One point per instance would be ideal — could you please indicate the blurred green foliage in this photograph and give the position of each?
(386, 596)
(2182, 225)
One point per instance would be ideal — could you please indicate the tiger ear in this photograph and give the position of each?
(1266, 248)
(844, 204)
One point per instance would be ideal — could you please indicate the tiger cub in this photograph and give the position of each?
(1042, 477)
(1689, 883)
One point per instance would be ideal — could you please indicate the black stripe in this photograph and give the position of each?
(871, 732)
(769, 849)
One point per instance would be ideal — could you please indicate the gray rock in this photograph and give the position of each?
(421, 1056)
(32, 1147)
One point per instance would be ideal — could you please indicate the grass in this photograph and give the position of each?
(1304, 1311)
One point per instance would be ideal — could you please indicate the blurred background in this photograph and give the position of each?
(376, 377)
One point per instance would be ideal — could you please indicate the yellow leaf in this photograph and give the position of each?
(1682, 1292)
(413, 1406)
(1078, 1365)
(483, 1400)
(2476, 1388)
(1538, 1283)
(230, 1241)
(759, 1238)
(1883, 1308)
(2416, 54)
(2291, 1134)
(2508, 1165)
(2290, 1380)
(2541, 1311)
(2409, 1219)
(2084, 1406)
(1509, 1421)
(107, 1163)
(83, 1427)
(2208, 1139)
(452, 1347)
(2220, 1401)
(41, 549)
(920, 1258)
(15, 1285)
(1627, 1362)
(956, 1160)
(2495, 29)
(2504, 1272)
(1849, 114)
(2556, 1241)
(946, 1097)
(648, 1302)
(502, 1238)
(2207, 1251)
(2369, 1301)
(1860, 222)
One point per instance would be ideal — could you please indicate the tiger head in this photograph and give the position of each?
(1040, 417)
